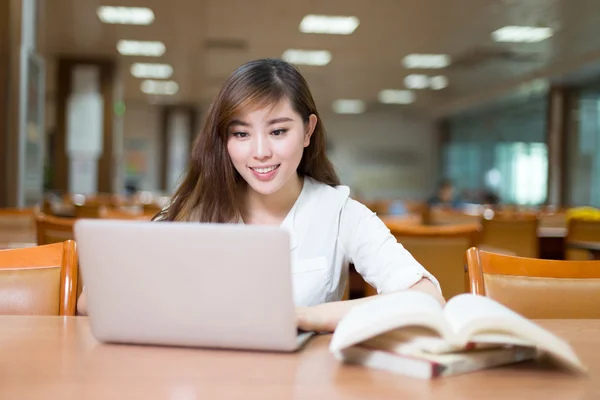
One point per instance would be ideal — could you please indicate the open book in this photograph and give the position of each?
(410, 333)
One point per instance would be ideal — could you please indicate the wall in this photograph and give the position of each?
(379, 155)
(384, 154)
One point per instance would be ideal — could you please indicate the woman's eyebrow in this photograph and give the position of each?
(280, 120)
(239, 122)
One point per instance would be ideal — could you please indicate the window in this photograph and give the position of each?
(523, 172)
(584, 152)
(501, 150)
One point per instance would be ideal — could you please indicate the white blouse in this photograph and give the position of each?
(328, 231)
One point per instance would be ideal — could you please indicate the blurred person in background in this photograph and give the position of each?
(445, 197)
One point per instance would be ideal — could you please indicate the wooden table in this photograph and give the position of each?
(57, 358)
(592, 247)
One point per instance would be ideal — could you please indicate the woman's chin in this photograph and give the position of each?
(265, 188)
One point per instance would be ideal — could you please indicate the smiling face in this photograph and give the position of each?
(266, 145)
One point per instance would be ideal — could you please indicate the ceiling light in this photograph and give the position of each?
(522, 34)
(427, 61)
(125, 15)
(307, 57)
(334, 25)
(416, 81)
(392, 96)
(345, 106)
(155, 71)
(159, 87)
(438, 82)
(141, 48)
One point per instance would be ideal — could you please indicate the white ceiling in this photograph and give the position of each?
(363, 63)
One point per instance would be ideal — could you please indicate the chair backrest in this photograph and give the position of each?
(441, 250)
(553, 220)
(39, 280)
(91, 210)
(380, 207)
(451, 217)
(152, 209)
(398, 222)
(514, 232)
(114, 213)
(584, 231)
(51, 229)
(537, 288)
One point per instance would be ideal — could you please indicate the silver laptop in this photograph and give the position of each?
(189, 284)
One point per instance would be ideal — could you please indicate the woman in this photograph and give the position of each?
(261, 159)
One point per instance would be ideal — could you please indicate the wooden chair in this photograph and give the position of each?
(115, 213)
(553, 220)
(441, 250)
(91, 210)
(537, 288)
(582, 231)
(515, 232)
(439, 216)
(151, 209)
(398, 222)
(39, 280)
(51, 229)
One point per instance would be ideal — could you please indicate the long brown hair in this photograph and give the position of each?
(210, 189)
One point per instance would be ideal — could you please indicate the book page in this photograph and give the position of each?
(466, 312)
(456, 361)
(385, 313)
(481, 319)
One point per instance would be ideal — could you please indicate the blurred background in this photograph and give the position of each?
(460, 122)
(499, 99)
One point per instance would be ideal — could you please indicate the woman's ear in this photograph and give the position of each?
(310, 128)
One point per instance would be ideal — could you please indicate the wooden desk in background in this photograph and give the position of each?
(57, 358)
(592, 247)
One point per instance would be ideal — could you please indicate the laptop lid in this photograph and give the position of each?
(188, 284)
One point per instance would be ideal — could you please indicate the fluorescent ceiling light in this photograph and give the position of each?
(333, 25)
(141, 48)
(416, 81)
(155, 71)
(346, 106)
(392, 96)
(159, 87)
(438, 82)
(522, 34)
(307, 57)
(125, 15)
(427, 61)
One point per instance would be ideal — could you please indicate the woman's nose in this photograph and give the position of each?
(262, 148)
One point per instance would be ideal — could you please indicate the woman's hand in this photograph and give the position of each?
(325, 317)
(316, 318)
(426, 286)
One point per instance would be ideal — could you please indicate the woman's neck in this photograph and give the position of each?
(271, 209)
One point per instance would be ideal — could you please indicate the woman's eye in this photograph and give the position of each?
(240, 134)
(279, 132)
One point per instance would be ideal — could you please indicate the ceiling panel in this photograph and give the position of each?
(207, 39)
